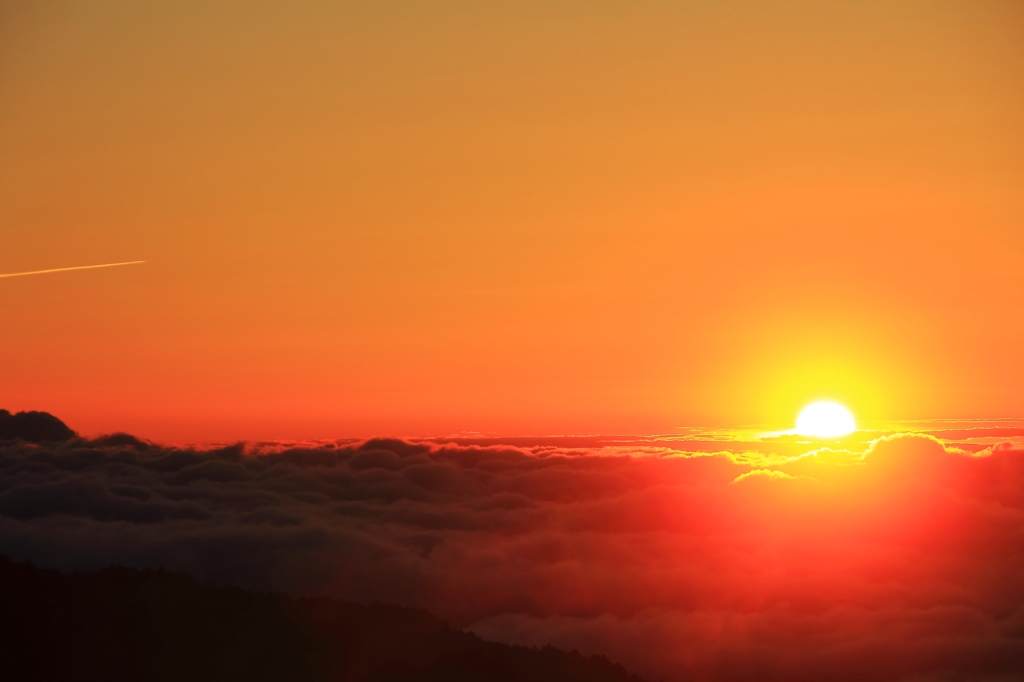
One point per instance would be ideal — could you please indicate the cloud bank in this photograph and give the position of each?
(897, 559)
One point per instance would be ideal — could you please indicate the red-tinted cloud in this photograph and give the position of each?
(900, 560)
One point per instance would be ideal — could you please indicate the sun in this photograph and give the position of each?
(825, 419)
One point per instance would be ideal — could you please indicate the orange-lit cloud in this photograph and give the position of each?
(898, 558)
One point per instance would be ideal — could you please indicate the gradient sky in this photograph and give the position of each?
(534, 217)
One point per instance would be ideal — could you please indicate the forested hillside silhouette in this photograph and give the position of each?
(125, 624)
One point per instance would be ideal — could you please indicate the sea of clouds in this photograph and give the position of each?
(898, 558)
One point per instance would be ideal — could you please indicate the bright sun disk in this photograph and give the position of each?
(825, 419)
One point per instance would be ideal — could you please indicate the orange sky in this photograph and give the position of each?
(533, 217)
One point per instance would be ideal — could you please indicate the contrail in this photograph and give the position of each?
(79, 267)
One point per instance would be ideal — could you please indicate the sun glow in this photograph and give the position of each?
(825, 419)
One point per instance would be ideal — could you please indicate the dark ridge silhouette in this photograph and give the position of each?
(121, 440)
(125, 624)
(34, 427)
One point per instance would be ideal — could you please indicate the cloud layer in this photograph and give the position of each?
(898, 559)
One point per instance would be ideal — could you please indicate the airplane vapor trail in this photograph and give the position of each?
(78, 267)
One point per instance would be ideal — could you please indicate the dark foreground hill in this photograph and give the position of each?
(125, 624)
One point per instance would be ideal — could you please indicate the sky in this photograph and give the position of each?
(532, 218)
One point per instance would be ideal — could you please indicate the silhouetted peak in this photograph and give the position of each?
(35, 427)
(121, 440)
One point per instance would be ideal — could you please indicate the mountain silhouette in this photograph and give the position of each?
(35, 427)
(121, 624)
